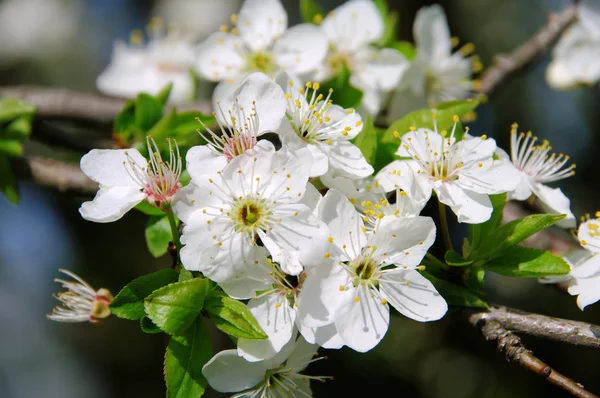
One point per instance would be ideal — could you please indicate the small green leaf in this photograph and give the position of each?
(148, 209)
(406, 48)
(163, 95)
(148, 326)
(148, 111)
(456, 260)
(11, 148)
(13, 108)
(129, 303)
(455, 294)
(8, 182)
(185, 275)
(158, 235)
(232, 317)
(184, 359)
(162, 129)
(474, 278)
(18, 129)
(174, 307)
(310, 11)
(493, 245)
(186, 126)
(477, 232)
(367, 140)
(526, 262)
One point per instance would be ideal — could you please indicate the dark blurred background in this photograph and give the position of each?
(67, 43)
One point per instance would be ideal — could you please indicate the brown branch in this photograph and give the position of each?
(55, 174)
(547, 327)
(63, 103)
(540, 42)
(515, 351)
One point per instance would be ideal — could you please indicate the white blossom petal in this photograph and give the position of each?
(301, 49)
(110, 204)
(203, 161)
(431, 33)
(403, 241)
(588, 235)
(260, 93)
(470, 207)
(353, 24)
(324, 336)
(381, 69)
(261, 22)
(110, 167)
(227, 372)
(554, 201)
(347, 160)
(221, 56)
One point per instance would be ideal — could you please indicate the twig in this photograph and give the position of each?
(505, 64)
(56, 174)
(556, 329)
(515, 351)
(69, 104)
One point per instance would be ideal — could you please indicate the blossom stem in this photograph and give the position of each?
(444, 226)
(175, 233)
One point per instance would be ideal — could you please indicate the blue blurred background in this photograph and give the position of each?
(66, 43)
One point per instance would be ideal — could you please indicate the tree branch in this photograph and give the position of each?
(56, 174)
(515, 351)
(540, 42)
(69, 104)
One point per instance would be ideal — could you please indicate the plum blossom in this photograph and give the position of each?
(326, 129)
(258, 108)
(126, 178)
(138, 67)
(351, 29)
(436, 74)
(537, 166)
(576, 56)
(255, 199)
(373, 269)
(260, 42)
(462, 173)
(81, 302)
(280, 376)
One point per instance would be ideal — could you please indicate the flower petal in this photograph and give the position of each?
(110, 204)
(403, 241)
(301, 49)
(276, 318)
(586, 290)
(362, 320)
(261, 22)
(431, 33)
(470, 207)
(381, 69)
(311, 197)
(353, 24)
(588, 235)
(261, 94)
(220, 57)
(324, 336)
(412, 295)
(111, 167)
(347, 160)
(203, 161)
(227, 372)
(554, 201)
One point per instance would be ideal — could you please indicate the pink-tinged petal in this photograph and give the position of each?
(412, 295)
(362, 320)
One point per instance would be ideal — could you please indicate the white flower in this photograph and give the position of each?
(584, 279)
(126, 178)
(277, 377)
(255, 199)
(576, 56)
(538, 166)
(435, 74)
(351, 28)
(258, 108)
(166, 58)
(261, 42)
(462, 173)
(372, 270)
(326, 130)
(81, 303)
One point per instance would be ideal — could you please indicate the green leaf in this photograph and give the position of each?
(174, 307)
(162, 129)
(163, 95)
(148, 326)
(8, 182)
(148, 209)
(129, 303)
(456, 260)
(477, 232)
(11, 148)
(493, 245)
(343, 93)
(232, 317)
(158, 235)
(474, 278)
(13, 108)
(148, 111)
(455, 294)
(444, 112)
(367, 140)
(186, 126)
(406, 48)
(311, 11)
(184, 359)
(185, 275)
(525, 262)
